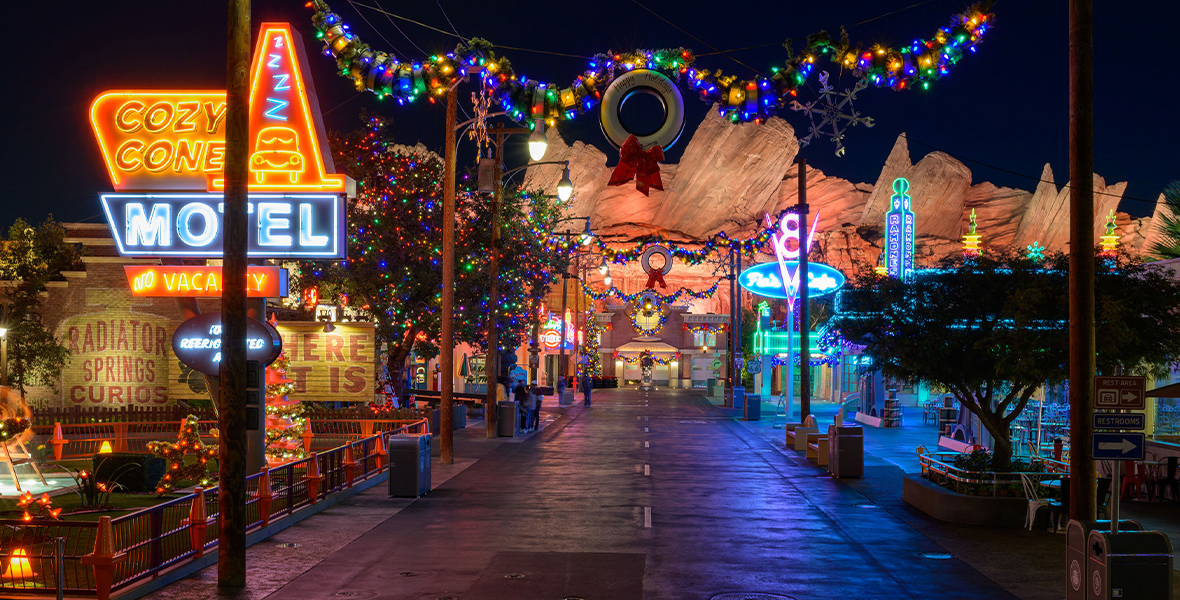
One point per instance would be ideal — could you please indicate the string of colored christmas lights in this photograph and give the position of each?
(917, 64)
(705, 328)
(285, 421)
(395, 247)
(614, 292)
(593, 363)
(634, 360)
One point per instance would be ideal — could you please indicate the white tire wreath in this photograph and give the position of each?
(643, 81)
(645, 260)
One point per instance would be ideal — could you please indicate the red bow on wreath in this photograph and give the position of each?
(641, 164)
(654, 277)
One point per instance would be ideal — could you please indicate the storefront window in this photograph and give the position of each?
(850, 374)
(704, 339)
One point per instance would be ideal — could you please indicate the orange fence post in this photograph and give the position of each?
(349, 464)
(313, 479)
(307, 435)
(58, 441)
(104, 558)
(198, 522)
(265, 496)
(120, 436)
(379, 451)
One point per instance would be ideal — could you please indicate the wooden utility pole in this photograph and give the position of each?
(231, 458)
(1082, 348)
(492, 360)
(804, 300)
(446, 336)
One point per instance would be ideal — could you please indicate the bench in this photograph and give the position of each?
(797, 433)
(817, 448)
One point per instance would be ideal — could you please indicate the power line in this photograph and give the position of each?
(377, 31)
(685, 32)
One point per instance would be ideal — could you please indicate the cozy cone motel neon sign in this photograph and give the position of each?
(172, 144)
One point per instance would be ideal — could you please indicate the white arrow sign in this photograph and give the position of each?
(1129, 396)
(1124, 446)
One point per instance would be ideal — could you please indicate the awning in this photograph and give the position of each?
(653, 347)
(1168, 391)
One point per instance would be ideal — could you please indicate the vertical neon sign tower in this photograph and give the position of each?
(899, 232)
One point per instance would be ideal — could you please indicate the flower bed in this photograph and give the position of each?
(971, 475)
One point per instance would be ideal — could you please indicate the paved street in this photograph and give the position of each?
(653, 496)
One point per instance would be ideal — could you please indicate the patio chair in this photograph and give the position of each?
(1134, 480)
(930, 412)
(1035, 503)
(1059, 507)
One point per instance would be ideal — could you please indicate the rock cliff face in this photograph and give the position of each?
(731, 175)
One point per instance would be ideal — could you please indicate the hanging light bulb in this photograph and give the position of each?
(537, 142)
(603, 268)
(606, 280)
(565, 187)
(587, 234)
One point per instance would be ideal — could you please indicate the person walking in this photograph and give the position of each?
(533, 398)
(587, 385)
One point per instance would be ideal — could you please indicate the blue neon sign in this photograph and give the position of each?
(279, 225)
(765, 279)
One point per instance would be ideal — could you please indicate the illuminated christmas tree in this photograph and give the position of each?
(188, 441)
(284, 416)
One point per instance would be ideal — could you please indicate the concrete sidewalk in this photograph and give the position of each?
(1029, 564)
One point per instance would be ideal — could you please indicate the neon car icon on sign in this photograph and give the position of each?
(276, 151)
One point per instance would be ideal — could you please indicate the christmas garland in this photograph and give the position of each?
(636, 359)
(719, 241)
(526, 100)
(705, 328)
(12, 427)
(614, 292)
(647, 313)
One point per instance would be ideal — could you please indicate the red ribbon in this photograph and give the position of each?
(656, 276)
(643, 165)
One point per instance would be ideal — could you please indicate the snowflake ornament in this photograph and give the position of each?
(834, 111)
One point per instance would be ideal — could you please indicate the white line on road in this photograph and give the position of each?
(647, 517)
(646, 418)
(647, 470)
(647, 444)
(645, 430)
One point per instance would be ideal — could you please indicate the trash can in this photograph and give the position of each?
(459, 416)
(409, 465)
(712, 384)
(507, 423)
(1076, 534)
(846, 451)
(738, 394)
(435, 420)
(753, 410)
(1130, 564)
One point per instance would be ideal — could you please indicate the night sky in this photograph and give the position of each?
(1006, 106)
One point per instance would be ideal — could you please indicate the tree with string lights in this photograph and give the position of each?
(395, 250)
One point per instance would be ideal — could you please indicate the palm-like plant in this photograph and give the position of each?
(1169, 225)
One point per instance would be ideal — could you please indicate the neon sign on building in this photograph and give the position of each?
(899, 232)
(780, 279)
(174, 141)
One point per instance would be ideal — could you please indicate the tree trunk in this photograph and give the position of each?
(1001, 439)
(396, 361)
